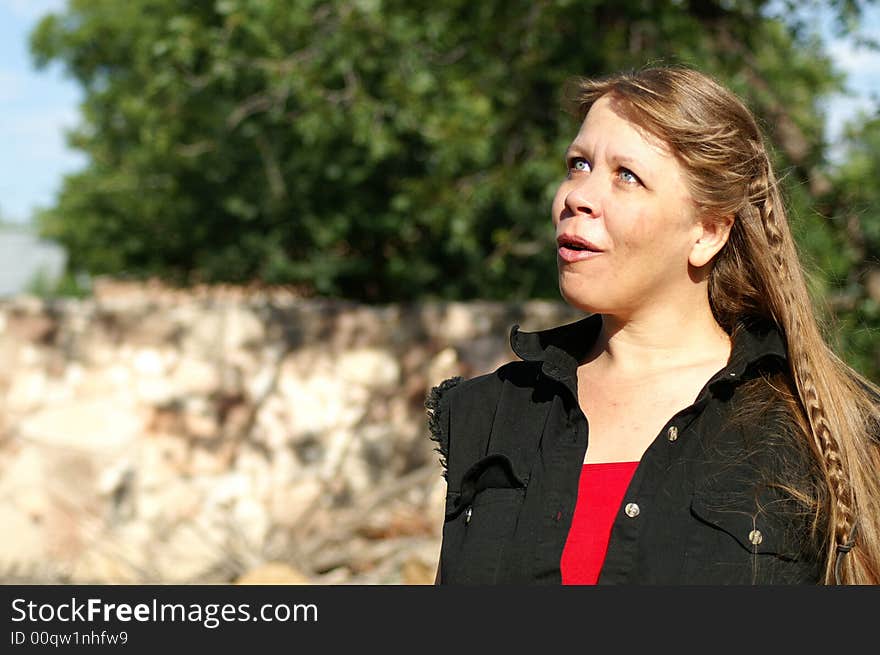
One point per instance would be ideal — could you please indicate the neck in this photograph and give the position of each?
(659, 339)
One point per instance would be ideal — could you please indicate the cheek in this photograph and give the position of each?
(556, 207)
(642, 232)
(650, 232)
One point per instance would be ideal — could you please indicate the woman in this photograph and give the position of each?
(694, 427)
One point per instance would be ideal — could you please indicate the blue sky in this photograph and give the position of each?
(37, 107)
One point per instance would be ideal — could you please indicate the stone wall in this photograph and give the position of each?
(218, 436)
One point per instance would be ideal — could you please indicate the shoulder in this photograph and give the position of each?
(760, 467)
(765, 415)
(476, 391)
(760, 427)
(471, 403)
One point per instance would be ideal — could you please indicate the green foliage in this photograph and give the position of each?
(68, 285)
(389, 150)
(853, 205)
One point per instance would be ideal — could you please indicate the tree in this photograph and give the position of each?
(379, 149)
(853, 207)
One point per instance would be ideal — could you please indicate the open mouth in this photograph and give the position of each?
(572, 249)
(575, 243)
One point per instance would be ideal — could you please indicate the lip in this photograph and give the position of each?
(569, 254)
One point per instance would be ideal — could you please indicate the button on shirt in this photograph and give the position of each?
(697, 509)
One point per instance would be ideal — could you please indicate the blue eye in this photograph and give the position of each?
(580, 164)
(628, 176)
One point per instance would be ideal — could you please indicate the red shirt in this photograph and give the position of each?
(600, 492)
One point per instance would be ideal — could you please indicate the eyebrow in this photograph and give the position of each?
(573, 150)
(629, 161)
(625, 160)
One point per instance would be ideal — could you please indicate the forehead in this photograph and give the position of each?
(608, 124)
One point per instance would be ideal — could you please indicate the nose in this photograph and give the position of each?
(583, 198)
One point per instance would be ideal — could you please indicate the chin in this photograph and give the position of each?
(581, 301)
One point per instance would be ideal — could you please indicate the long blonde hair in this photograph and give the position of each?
(758, 274)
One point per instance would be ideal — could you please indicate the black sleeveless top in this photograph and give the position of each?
(700, 509)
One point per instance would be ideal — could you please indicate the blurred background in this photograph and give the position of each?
(241, 239)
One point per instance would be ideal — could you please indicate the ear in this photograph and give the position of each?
(711, 235)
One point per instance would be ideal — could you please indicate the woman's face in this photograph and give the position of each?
(625, 220)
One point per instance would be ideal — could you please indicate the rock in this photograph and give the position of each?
(156, 435)
(33, 327)
(194, 376)
(416, 572)
(318, 401)
(272, 425)
(24, 546)
(436, 504)
(290, 503)
(202, 426)
(186, 553)
(148, 361)
(273, 573)
(105, 428)
(369, 367)
(460, 322)
(442, 366)
(251, 521)
(211, 460)
(241, 329)
(175, 502)
(27, 391)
